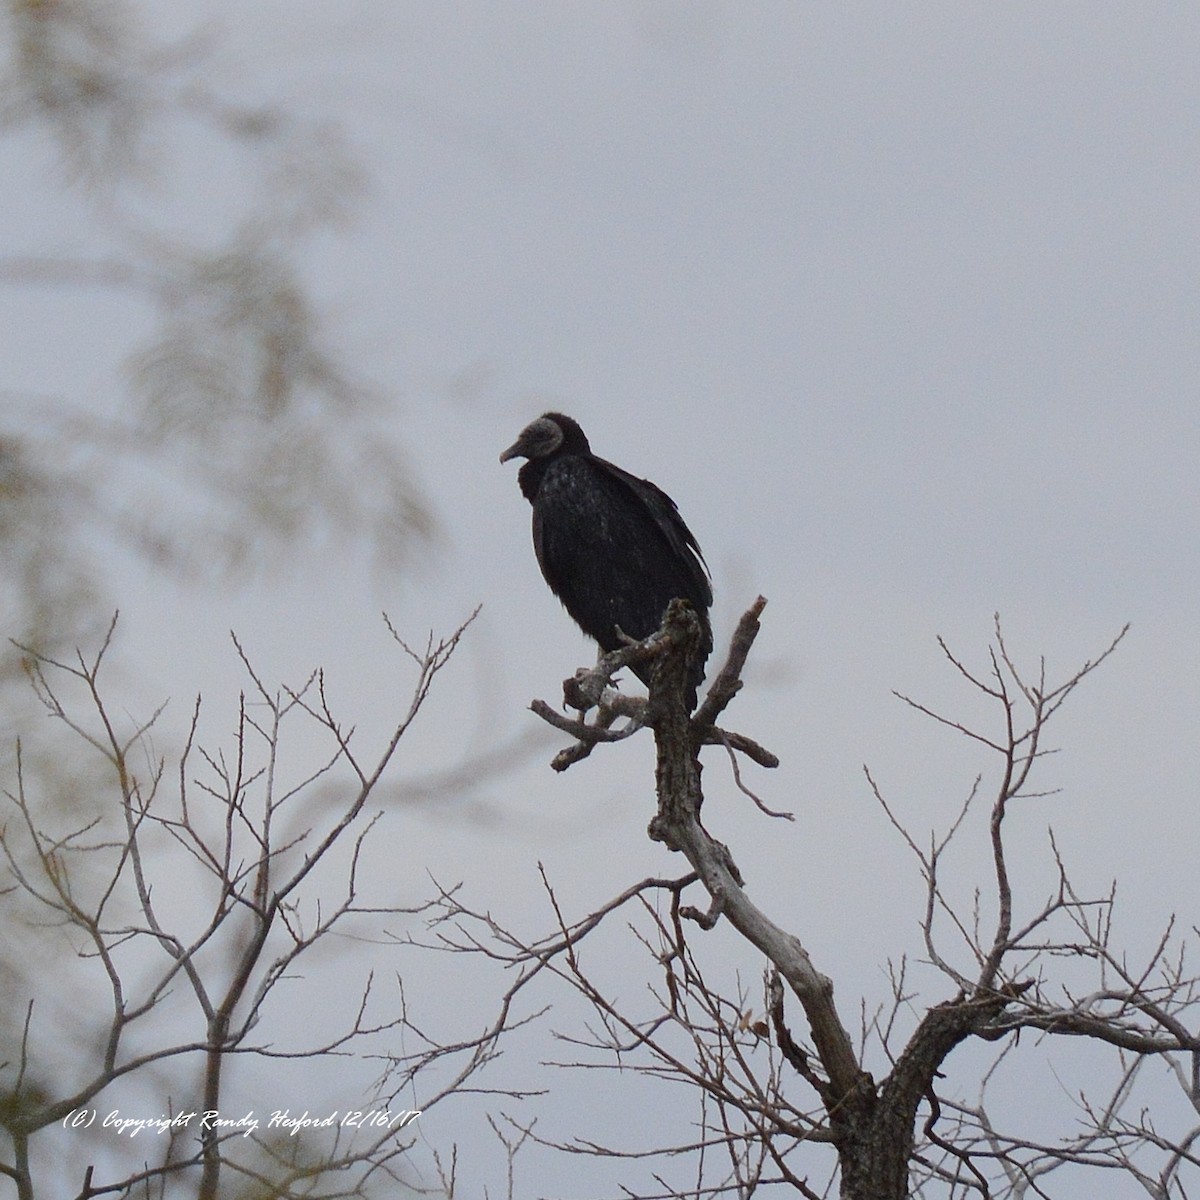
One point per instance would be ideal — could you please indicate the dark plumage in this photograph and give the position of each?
(612, 547)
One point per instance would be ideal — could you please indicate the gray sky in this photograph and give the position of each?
(898, 302)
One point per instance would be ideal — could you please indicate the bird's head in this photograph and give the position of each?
(551, 433)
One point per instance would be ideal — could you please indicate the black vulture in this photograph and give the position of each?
(612, 547)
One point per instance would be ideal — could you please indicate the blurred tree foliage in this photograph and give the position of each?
(229, 435)
(233, 432)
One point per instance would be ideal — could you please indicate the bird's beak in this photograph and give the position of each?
(516, 450)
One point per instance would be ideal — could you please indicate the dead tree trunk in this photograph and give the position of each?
(872, 1124)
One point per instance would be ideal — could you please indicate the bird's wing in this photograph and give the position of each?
(666, 516)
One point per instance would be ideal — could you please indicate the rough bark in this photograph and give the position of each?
(873, 1124)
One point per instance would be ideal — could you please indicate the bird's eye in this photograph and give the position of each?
(547, 437)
